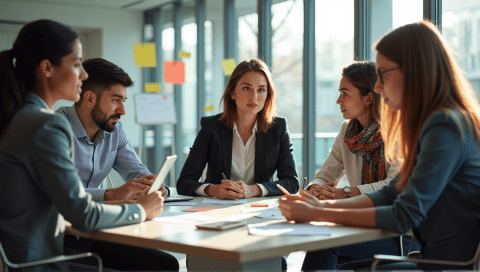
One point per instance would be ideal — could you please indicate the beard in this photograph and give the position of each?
(102, 120)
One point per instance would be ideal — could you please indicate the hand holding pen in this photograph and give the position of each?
(227, 189)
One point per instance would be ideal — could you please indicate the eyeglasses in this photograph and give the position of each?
(380, 73)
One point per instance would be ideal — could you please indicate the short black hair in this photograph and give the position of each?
(102, 75)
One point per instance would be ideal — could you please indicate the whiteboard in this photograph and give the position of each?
(154, 109)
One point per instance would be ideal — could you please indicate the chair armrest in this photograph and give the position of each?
(377, 258)
(413, 254)
(61, 259)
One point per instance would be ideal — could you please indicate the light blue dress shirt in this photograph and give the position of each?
(94, 160)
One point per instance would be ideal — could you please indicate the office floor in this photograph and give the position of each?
(294, 261)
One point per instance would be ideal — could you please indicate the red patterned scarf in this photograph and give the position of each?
(367, 143)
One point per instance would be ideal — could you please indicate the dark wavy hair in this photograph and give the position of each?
(362, 75)
(37, 41)
(102, 75)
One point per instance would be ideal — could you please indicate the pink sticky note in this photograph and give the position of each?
(174, 72)
(202, 209)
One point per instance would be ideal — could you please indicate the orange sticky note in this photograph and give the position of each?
(152, 87)
(258, 205)
(228, 66)
(202, 209)
(174, 72)
(144, 54)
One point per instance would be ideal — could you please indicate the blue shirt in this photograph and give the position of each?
(94, 160)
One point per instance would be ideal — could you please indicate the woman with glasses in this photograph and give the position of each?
(433, 122)
(358, 153)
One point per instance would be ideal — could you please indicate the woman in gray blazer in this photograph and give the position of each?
(39, 185)
(244, 145)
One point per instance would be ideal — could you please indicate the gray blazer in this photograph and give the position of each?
(39, 186)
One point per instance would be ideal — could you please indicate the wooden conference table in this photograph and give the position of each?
(233, 249)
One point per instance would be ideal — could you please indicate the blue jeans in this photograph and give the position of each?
(332, 258)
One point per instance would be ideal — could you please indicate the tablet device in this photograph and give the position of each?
(162, 173)
(223, 225)
(171, 198)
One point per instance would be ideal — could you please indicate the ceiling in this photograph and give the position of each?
(139, 5)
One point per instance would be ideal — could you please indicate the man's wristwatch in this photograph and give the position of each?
(347, 191)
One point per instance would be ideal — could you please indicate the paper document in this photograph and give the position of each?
(272, 213)
(224, 201)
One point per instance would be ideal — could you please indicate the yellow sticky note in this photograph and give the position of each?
(228, 66)
(152, 87)
(145, 54)
(184, 54)
(208, 108)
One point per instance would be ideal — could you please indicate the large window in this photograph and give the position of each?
(287, 68)
(461, 29)
(406, 12)
(334, 28)
(189, 45)
(247, 29)
(214, 53)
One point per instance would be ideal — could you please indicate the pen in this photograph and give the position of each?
(223, 175)
(283, 189)
(304, 182)
(258, 205)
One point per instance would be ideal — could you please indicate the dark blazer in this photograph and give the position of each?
(39, 186)
(213, 145)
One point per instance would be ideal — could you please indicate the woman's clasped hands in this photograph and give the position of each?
(299, 208)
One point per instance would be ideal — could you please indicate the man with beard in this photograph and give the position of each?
(100, 145)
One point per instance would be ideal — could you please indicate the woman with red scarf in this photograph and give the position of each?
(358, 153)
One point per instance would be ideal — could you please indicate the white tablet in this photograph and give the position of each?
(162, 173)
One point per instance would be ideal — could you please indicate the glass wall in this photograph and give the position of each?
(461, 28)
(334, 50)
(214, 53)
(168, 44)
(189, 45)
(287, 68)
(406, 12)
(247, 29)
(334, 41)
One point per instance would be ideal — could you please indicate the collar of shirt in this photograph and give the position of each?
(254, 127)
(79, 130)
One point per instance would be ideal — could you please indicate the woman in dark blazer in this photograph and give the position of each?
(246, 143)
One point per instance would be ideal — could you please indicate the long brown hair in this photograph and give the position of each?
(265, 116)
(432, 81)
(362, 75)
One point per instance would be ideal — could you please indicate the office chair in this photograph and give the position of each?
(5, 263)
(475, 260)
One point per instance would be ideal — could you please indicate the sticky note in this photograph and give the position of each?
(184, 54)
(145, 55)
(208, 108)
(152, 87)
(228, 66)
(201, 209)
(174, 72)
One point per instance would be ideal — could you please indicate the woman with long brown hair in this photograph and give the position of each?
(244, 145)
(433, 123)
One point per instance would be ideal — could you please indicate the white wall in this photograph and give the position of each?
(115, 32)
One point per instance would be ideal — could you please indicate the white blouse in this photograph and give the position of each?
(342, 161)
(243, 161)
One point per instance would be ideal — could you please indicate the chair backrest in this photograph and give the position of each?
(4, 263)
